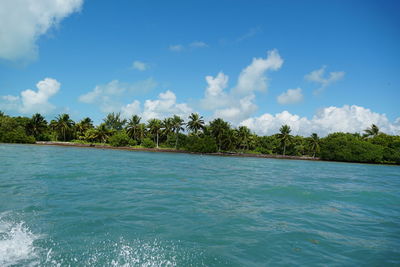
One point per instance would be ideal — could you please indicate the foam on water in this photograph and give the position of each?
(122, 253)
(16, 242)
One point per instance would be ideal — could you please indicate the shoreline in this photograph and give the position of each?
(169, 150)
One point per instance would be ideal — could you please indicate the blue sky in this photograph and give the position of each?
(342, 55)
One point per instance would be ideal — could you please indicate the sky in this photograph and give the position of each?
(318, 66)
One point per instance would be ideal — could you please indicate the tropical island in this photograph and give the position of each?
(195, 136)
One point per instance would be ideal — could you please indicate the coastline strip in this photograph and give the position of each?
(169, 150)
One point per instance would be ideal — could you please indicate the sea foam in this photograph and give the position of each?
(16, 243)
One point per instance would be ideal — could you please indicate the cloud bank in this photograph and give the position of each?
(30, 101)
(327, 120)
(22, 22)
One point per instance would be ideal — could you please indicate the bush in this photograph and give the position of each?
(148, 143)
(121, 139)
(12, 130)
(348, 147)
(205, 144)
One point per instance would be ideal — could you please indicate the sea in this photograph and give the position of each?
(71, 206)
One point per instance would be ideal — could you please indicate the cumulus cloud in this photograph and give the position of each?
(176, 48)
(238, 103)
(327, 120)
(291, 96)
(242, 108)
(131, 109)
(141, 66)
(22, 22)
(253, 78)
(215, 96)
(33, 101)
(109, 97)
(165, 106)
(317, 76)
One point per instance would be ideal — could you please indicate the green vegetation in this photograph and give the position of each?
(373, 146)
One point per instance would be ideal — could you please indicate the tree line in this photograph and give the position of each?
(196, 136)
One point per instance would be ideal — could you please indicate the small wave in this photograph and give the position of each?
(16, 243)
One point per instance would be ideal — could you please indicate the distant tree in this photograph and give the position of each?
(372, 131)
(102, 133)
(37, 125)
(132, 128)
(2, 114)
(167, 127)
(244, 136)
(195, 123)
(218, 128)
(314, 143)
(285, 137)
(82, 126)
(63, 126)
(154, 126)
(113, 121)
(347, 147)
(177, 126)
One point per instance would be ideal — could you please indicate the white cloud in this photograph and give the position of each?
(131, 109)
(253, 78)
(22, 22)
(165, 106)
(291, 96)
(33, 101)
(317, 76)
(109, 97)
(238, 103)
(141, 66)
(215, 96)
(176, 48)
(327, 120)
(238, 110)
(198, 44)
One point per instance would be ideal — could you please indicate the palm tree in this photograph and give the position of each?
(168, 127)
(177, 123)
(195, 123)
(132, 128)
(102, 133)
(244, 136)
(314, 140)
(230, 139)
(284, 136)
(372, 131)
(84, 125)
(63, 125)
(114, 121)
(154, 126)
(218, 127)
(37, 125)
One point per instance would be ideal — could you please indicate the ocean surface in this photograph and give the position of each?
(67, 206)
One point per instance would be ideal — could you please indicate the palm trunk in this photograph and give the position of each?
(157, 139)
(176, 141)
(284, 149)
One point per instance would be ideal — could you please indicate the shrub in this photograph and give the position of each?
(148, 143)
(348, 147)
(120, 139)
(205, 144)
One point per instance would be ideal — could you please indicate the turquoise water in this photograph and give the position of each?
(63, 206)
